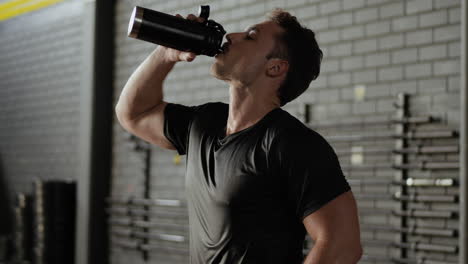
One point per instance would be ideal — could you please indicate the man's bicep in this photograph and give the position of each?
(149, 126)
(336, 220)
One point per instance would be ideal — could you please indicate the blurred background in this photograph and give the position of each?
(77, 188)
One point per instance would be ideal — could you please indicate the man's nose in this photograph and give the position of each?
(232, 37)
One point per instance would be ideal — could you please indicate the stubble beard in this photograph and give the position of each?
(220, 70)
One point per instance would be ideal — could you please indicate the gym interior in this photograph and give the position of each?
(75, 187)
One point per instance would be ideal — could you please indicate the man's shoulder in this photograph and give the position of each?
(290, 126)
(210, 106)
(292, 132)
(209, 110)
(210, 115)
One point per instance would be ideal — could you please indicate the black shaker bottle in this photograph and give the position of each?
(176, 32)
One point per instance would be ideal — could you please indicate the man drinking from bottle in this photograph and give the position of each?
(258, 180)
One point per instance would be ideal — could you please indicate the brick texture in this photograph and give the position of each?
(39, 96)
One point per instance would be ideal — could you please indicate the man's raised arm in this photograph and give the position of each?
(140, 108)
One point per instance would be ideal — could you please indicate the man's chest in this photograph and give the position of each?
(229, 172)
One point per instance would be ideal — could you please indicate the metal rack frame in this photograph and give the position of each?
(405, 133)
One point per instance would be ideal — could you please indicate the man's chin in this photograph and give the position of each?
(216, 72)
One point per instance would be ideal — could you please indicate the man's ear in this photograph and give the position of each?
(277, 67)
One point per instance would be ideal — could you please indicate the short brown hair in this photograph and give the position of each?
(298, 46)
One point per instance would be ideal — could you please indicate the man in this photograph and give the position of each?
(257, 179)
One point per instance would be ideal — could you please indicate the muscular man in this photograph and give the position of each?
(257, 179)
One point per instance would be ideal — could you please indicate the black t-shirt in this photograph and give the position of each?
(249, 192)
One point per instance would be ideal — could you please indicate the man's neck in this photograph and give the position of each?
(247, 107)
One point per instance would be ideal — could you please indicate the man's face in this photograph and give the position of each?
(245, 57)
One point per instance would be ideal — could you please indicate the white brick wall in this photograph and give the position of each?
(39, 96)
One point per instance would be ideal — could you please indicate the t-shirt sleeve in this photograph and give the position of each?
(311, 172)
(177, 121)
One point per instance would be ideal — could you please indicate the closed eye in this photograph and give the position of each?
(247, 36)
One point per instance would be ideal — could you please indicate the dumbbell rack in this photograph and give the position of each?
(411, 235)
(45, 223)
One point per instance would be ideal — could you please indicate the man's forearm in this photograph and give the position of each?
(143, 89)
(328, 253)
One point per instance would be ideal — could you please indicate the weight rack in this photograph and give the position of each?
(143, 215)
(135, 220)
(406, 149)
